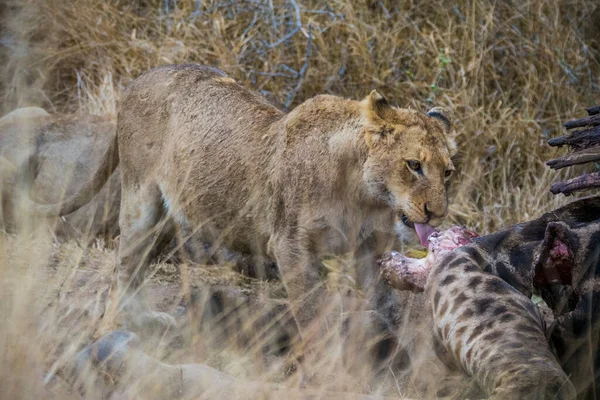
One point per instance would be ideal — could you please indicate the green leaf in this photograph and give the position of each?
(444, 59)
(536, 299)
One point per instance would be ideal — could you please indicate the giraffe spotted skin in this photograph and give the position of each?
(491, 331)
(482, 324)
(556, 256)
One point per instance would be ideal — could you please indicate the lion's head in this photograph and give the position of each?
(410, 164)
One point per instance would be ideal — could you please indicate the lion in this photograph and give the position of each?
(330, 177)
(52, 156)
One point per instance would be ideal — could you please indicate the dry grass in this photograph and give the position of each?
(512, 72)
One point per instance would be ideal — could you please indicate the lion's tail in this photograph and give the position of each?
(107, 166)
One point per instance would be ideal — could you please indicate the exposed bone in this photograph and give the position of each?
(405, 273)
(592, 120)
(588, 181)
(585, 144)
(593, 110)
(578, 140)
(578, 157)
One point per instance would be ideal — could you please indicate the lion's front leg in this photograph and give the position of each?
(142, 237)
(299, 268)
(385, 301)
(369, 275)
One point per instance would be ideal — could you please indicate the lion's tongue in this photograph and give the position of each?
(423, 231)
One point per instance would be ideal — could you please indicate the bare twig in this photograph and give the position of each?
(275, 74)
(326, 11)
(290, 69)
(251, 25)
(385, 10)
(302, 72)
(294, 31)
(197, 12)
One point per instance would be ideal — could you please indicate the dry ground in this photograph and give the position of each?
(54, 295)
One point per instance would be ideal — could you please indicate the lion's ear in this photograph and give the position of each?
(376, 109)
(443, 115)
(377, 113)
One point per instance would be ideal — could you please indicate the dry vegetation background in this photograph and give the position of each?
(512, 72)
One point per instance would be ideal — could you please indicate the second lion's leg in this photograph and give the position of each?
(299, 270)
(300, 273)
(141, 222)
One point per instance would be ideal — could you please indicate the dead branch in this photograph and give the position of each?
(292, 95)
(297, 27)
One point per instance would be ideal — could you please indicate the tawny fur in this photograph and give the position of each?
(330, 177)
(52, 157)
(119, 358)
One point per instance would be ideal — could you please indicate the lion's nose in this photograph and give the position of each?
(433, 213)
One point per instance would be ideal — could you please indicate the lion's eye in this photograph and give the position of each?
(448, 173)
(414, 165)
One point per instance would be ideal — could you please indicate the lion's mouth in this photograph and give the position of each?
(407, 221)
(423, 230)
